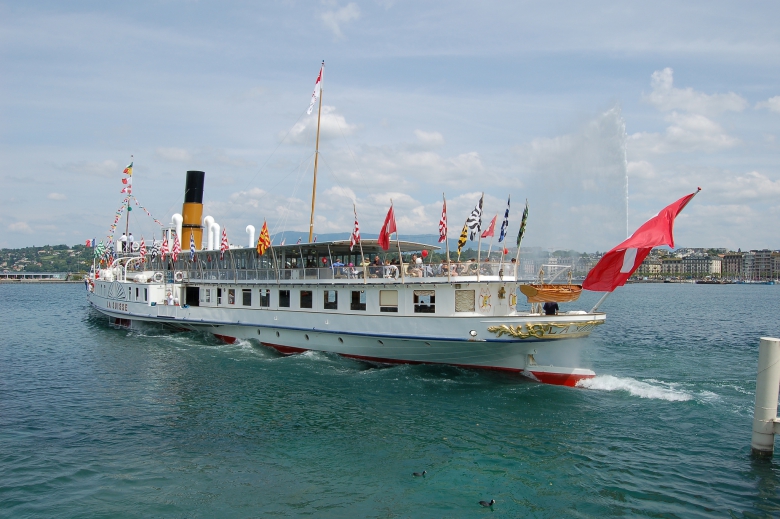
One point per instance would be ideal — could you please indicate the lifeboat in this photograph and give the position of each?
(544, 293)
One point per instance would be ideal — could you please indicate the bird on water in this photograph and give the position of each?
(418, 474)
(486, 504)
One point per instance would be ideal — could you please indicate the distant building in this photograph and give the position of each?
(701, 265)
(671, 266)
(733, 265)
(650, 267)
(762, 264)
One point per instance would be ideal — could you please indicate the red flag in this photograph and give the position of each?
(491, 231)
(388, 228)
(443, 223)
(355, 238)
(617, 265)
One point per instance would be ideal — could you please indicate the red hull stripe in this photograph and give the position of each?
(558, 379)
(225, 338)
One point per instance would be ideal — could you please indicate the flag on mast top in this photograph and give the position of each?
(317, 89)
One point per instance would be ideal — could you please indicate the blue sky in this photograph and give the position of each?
(557, 102)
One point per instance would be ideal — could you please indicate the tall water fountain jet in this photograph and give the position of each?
(577, 186)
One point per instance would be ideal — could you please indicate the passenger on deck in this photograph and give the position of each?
(550, 308)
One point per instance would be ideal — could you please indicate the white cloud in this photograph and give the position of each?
(750, 187)
(666, 97)
(56, 196)
(173, 154)
(429, 139)
(332, 125)
(686, 133)
(772, 104)
(335, 19)
(20, 227)
(104, 168)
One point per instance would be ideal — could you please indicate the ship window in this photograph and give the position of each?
(265, 297)
(284, 299)
(306, 299)
(146, 294)
(246, 296)
(136, 293)
(464, 301)
(388, 300)
(219, 296)
(358, 300)
(207, 295)
(424, 301)
(231, 296)
(330, 300)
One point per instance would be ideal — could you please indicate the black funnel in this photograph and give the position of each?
(193, 189)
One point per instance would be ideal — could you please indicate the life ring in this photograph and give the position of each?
(135, 247)
(179, 276)
(158, 277)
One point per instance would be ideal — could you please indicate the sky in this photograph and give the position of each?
(599, 114)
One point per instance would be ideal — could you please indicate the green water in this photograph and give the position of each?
(102, 422)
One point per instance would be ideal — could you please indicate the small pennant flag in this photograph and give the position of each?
(462, 240)
(355, 238)
(128, 170)
(474, 221)
(176, 247)
(443, 223)
(192, 247)
(99, 250)
(264, 241)
(522, 224)
(164, 248)
(317, 89)
(505, 223)
(491, 230)
(142, 248)
(388, 228)
(224, 245)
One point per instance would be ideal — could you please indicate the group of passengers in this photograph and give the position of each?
(391, 268)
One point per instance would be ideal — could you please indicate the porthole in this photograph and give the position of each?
(341, 340)
(307, 336)
(380, 342)
(258, 332)
(277, 334)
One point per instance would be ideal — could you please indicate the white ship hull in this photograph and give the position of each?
(494, 335)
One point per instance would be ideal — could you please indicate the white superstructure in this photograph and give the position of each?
(292, 301)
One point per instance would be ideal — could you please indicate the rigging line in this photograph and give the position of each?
(330, 170)
(282, 220)
(277, 148)
(352, 154)
(285, 177)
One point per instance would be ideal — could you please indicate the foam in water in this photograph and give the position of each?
(635, 388)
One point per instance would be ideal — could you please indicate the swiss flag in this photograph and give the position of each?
(388, 228)
(617, 265)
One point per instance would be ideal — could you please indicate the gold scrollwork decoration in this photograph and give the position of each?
(545, 330)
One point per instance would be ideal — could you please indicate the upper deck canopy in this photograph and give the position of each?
(341, 247)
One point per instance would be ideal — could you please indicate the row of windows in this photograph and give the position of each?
(424, 301)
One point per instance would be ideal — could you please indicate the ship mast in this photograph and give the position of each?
(316, 158)
(127, 220)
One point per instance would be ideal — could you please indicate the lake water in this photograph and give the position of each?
(104, 422)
